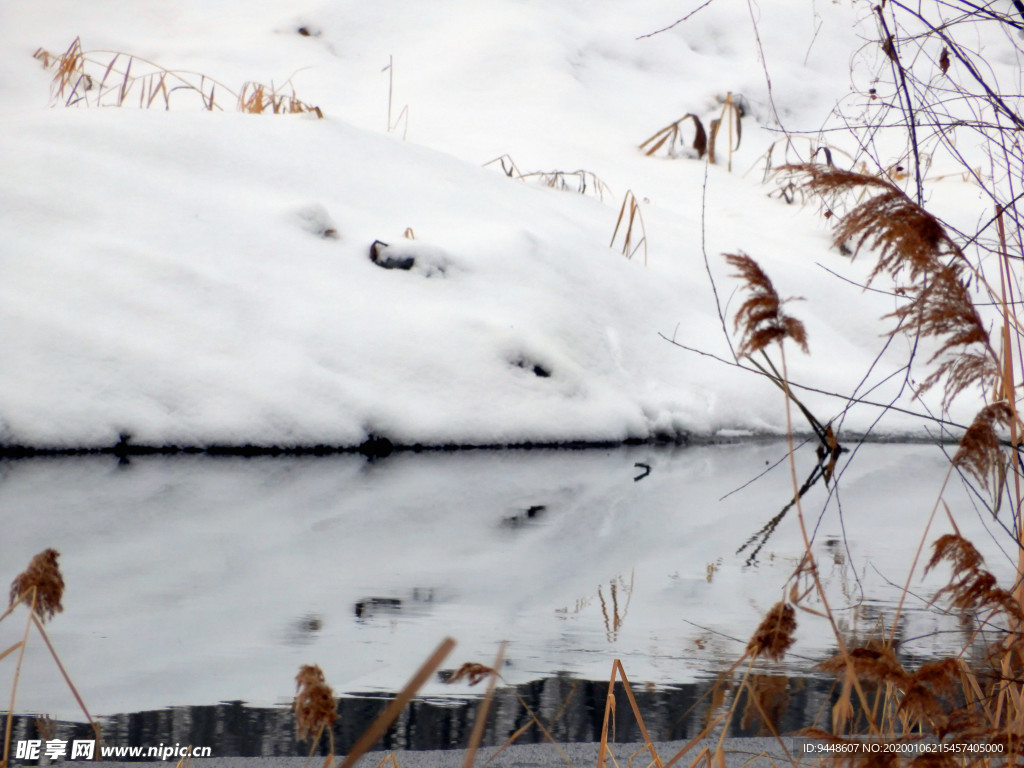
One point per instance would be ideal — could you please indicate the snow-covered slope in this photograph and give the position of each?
(191, 277)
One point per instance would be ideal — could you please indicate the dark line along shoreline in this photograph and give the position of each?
(378, 447)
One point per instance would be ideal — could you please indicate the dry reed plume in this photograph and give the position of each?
(314, 704)
(980, 451)
(971, 587)
(760, 319)
(912, 244)
(774, 635)
(41, 585)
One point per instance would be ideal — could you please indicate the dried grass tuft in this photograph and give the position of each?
(40, 585)
(114, 78)
(257, 98)
(581, 181)
(760, 318)
(774, 635)
(314, 704)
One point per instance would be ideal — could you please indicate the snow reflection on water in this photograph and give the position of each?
(195, 580)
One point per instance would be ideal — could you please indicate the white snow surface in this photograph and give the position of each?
(166, 277)
(166, 274)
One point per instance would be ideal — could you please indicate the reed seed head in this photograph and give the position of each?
(760, 318)
(979, 451)
(40, 585)
(314, 704)
(774, 634)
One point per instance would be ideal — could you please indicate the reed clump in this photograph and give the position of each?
(118, 79)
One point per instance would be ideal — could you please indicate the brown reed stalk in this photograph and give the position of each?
(40, 586)
(630, 212)
(380, 725)
(481, 716)
(618, 671)
(732, 114)
(14, 686)
(38, 621)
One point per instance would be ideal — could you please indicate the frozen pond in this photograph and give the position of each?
(197, 580)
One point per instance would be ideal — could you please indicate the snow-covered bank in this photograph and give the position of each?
(194, 278)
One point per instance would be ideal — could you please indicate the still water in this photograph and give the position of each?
(197, 586)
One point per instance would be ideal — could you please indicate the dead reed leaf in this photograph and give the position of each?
(760, 318)
(40, 585)
(774, 635)
(314, 704)
(472, 673)
(630, 211)
(732, 115)
(672, 134)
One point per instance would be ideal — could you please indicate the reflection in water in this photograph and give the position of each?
(194, 580)
(572, 710)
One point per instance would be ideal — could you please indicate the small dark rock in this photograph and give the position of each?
(371, 606)
(537, 369)
(379, 257)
